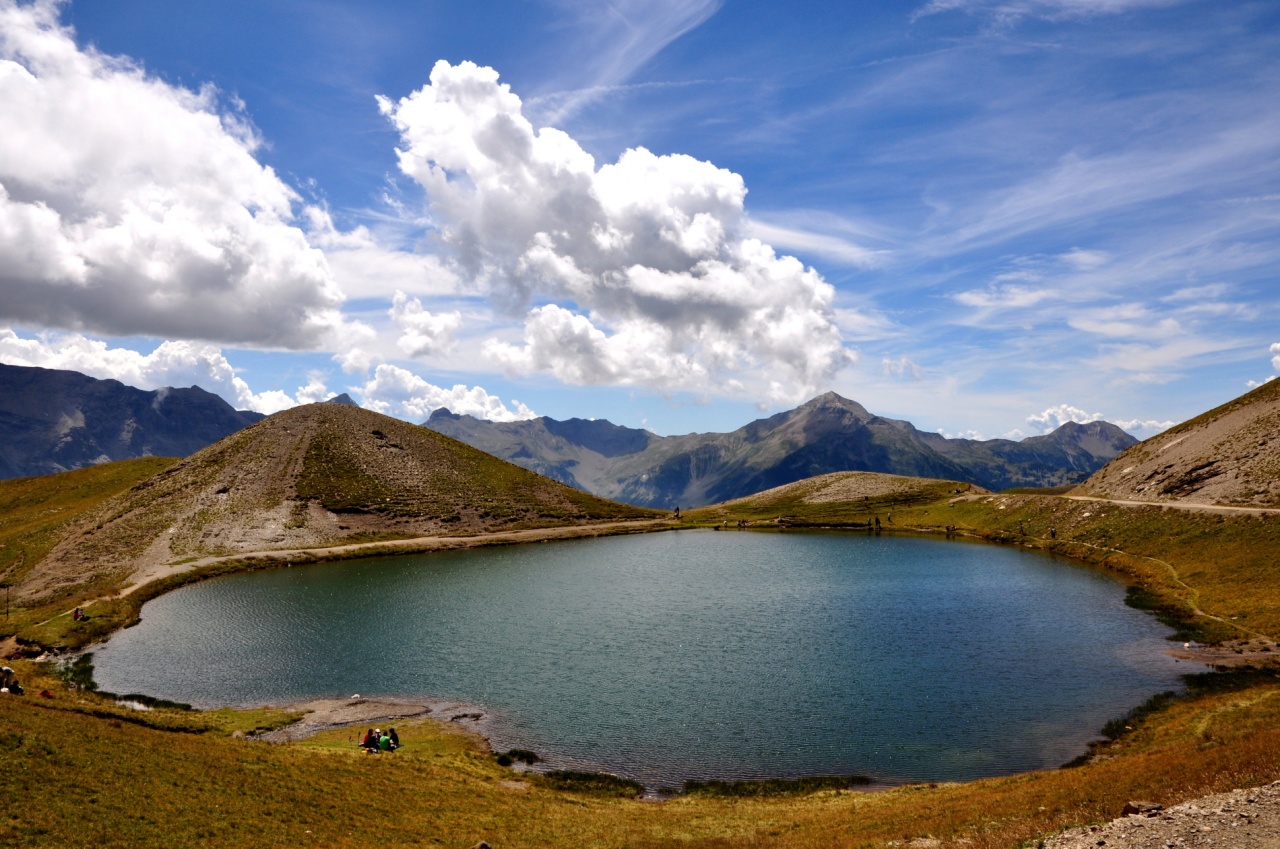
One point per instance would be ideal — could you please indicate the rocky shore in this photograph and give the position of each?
(1240, 819)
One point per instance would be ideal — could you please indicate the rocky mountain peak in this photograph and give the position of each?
(833, 401)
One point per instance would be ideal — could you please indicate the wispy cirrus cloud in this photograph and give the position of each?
(1008, 12)
(611, 41)
(1080, 187)
(838, 248)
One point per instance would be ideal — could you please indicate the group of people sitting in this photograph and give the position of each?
(9, 682)
(376, 740)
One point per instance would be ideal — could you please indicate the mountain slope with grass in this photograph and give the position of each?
(36, 512)
(827, 434)
(53, 420)
(1229, 455)
(314, 476)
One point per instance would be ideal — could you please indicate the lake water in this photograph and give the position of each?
(691, 654)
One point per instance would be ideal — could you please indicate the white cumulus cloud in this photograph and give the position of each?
(422, 332)
(398, 392)
(173, 363)
(1144, 427)
(1055, 417)
(636, 272)
(1275, 364)
(967, 434)
(130, 206)
(902, 367)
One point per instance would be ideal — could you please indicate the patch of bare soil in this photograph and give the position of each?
(1240, 819)
(842, 486)
(11, 648)
(847, 486)
(358, 712)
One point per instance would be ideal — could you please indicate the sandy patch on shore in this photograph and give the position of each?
(356, 711)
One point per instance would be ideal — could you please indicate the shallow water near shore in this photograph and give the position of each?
(692, 654)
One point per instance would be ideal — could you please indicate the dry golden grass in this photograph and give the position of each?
(77, 771)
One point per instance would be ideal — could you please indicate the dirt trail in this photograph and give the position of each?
(403, 546)
(1188, 506)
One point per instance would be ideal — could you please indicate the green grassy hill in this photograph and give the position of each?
(313, 477)
(36, 512)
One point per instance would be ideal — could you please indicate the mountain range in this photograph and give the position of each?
(828, 434)
(53, 421)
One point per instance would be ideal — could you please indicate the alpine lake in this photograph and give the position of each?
(688, 655)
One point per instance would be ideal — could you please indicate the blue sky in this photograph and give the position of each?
(984, 216)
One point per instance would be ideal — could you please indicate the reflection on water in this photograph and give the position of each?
(687, 655)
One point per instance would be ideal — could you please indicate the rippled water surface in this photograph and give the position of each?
(687, 655)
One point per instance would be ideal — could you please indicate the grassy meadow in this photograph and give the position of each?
(78, 769)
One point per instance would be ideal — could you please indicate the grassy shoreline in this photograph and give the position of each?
(1212, 575)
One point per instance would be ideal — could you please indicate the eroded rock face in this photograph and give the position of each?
(1229, 455)
(1248, 819)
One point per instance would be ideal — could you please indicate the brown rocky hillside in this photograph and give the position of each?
(319, 475)
(1229, 455)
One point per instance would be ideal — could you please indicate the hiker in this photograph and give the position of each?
(9, 682)
(1053, 533)
(395, 739)
(369, 741)
(384, 742)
